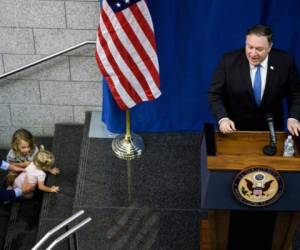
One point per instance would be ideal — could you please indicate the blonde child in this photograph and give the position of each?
(22, 151)
(42, 161)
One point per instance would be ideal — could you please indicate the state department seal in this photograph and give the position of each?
(258, 186)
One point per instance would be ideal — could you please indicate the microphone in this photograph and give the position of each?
(271, 148)
(273, 138)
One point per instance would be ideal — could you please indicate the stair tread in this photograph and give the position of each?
(66, 148)
(22, 220)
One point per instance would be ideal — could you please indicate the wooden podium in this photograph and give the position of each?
(222, 157)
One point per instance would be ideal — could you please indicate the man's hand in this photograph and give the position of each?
(293, 126)
(14, 168)
(27, 187)
(226, 126)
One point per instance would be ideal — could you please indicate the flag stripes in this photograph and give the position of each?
(145, 51)
(124, 58)
(144, 22)
(126, 53)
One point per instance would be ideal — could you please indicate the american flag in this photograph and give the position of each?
(126, 52)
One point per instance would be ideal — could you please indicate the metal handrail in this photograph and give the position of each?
(46, 58)
(55, 229)
(66, 234)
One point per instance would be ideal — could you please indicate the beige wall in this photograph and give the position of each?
(59, 90)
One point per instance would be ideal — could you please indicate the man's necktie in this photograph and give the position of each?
(257, 85)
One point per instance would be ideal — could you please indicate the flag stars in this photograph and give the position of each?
(122, 3)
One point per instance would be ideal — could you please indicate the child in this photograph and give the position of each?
(42, 161)
(22, 152)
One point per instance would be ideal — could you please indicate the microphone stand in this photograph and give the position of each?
(271, 149)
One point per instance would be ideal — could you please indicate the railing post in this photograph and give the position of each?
(55, 229)
(66, 234)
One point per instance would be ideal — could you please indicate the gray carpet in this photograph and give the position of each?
(58, 207)
(149, 203)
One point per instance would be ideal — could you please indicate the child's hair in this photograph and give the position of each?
(44, 159)
(25, 135)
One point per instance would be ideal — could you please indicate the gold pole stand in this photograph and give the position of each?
(128, 146)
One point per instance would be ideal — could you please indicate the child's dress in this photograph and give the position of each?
(34, 175)
(16, 158)
(12, 157)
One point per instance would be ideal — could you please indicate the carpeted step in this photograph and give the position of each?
(22, 227)
(4, 220)
(4, 210)
(19, 228)
(58, 207)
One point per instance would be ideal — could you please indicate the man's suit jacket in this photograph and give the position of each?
(7, 195)
(231, 93)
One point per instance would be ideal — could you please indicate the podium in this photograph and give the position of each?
(222, 157)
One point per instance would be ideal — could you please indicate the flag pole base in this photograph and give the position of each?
(128, 147)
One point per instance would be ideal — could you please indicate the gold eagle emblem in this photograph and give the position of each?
(257, 186)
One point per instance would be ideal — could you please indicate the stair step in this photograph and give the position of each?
(58, 207)
(44, 140)
(4, 209)
(22, 228)
(4, 221)
(18, 219)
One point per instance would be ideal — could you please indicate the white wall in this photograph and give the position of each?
(59, 90)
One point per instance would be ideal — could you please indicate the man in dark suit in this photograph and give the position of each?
(248, 84)
(232, 95)
(10, 195)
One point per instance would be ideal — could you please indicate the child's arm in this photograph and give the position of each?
(20, 164)
(43, 187)
(11, 158)
(54, 171)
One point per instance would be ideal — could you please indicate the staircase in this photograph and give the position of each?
(57, 207)
(148, 203)
(19, 220)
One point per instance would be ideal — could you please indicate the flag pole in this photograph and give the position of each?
(128, 146)
(128, 129)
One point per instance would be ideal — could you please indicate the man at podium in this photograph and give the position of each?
(249, 83)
